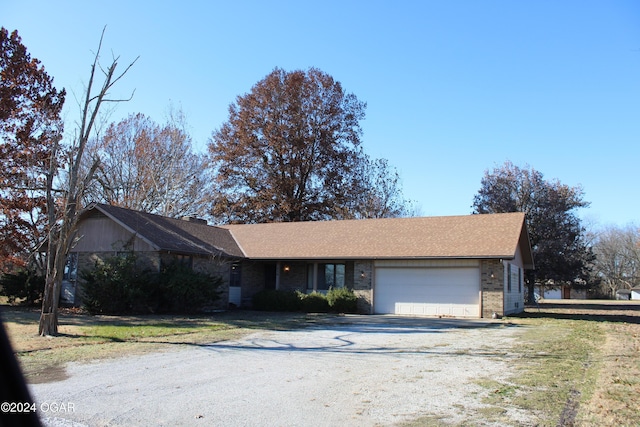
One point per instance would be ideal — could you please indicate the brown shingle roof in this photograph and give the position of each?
(174, 235)
(470, 236)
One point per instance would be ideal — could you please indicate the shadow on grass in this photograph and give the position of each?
(20, 314)
(588, 310)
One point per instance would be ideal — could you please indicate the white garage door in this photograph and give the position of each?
(427, 291)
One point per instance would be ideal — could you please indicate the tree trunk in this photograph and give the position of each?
(531, 287)
(48, 324)
(49, 316)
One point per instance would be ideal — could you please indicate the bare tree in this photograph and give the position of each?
(63, 208)
(149, 167)
(379, 191)
(617, 262)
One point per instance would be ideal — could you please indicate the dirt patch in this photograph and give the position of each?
(614, 400)
(48, 374)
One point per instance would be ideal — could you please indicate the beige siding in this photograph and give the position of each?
(104, 235)
(514, 297)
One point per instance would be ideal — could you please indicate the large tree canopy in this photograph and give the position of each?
(289, 150)
(150, 167)
(30, 124)
(560, 253)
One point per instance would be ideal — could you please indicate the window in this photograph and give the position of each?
(329, 276)
(234, 278)
(514, 275)
(71, 267)
(519, 279)
(185, 260)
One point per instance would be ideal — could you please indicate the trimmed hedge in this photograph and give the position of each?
(272, 300)
(339, 300)
(314, 302)
(342, 300)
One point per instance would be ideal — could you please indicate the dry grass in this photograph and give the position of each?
(578, 364)
(614, 402)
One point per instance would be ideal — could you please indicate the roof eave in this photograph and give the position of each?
(370, 257)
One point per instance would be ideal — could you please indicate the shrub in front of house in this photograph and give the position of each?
(314, 302)
(117, 286)
(339, 300)
(342, 300)
(22, 287)
(276, 300)
(183, 290)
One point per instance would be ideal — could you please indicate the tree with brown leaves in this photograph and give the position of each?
(288, 151)
(560, 252)
(30, 126)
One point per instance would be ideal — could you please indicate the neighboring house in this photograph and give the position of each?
(635, 294)
(559, 292)
(623, 294)
(462, 266)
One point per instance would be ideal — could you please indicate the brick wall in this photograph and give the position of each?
(217, 268)
(363, 285)
(296, 278)
(492, 287)
(252, 279)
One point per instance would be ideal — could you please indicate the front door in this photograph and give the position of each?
(566, 292)
(270, 276)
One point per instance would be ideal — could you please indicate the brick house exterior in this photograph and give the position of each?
(467, 266)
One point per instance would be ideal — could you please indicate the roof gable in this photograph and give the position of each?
(171, 234)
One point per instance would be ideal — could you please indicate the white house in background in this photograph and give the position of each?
(635, 294)
(559, 292)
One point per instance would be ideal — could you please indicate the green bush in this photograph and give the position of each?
(183, 290)
(23, 287)
(119, 286)
(276, 300)
(314, 302)
(342, 300)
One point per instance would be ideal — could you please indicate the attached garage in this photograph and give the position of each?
(428, 290)
(462, 266)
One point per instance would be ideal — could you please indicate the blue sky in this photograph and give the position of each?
(453, 88)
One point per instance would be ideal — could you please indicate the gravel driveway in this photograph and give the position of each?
(361, 371)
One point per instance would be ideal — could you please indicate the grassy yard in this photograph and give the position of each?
(577, 364)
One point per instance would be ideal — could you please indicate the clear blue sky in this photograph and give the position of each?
(453, 88)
